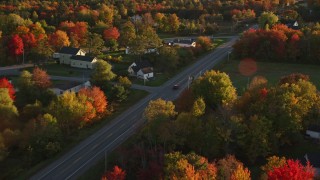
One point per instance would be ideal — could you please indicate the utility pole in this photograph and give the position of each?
(105, 161)
(23, 56)
(229, 52)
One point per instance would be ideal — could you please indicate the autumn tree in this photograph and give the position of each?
(172, 23)
(159, 109)
(241, 173)
(40, 78)
(292, 170)
(168, 59)
(15, 46)
(204, 43)
(199, 107)
(293, 78)
(216, 88)
(190, 166)
(102, 74)
(43, 136)
(228, 166)
(111, 33)
(4, 83)
(147, 39)
(273, 162)
(287, 107)
(128, 33)
(124, 81)
(59, 39)
(70, 110)
(267, 20)
(8, 110)
(116, 174)
(95, 44)
(96, 97)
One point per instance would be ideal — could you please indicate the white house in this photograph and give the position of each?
(184, 42)
(65, 54)
(86, 62)
(71, 87)
(314, 132)
(142, 70)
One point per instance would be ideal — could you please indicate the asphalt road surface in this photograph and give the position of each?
(95, 147)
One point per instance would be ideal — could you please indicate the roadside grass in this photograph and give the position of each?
(272, 71)
(76, 138)
(55, 69)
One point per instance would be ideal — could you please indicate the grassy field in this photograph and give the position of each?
(135, 96)
(272, 71)
(55, 69)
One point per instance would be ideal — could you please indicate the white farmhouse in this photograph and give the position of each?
(86, 62)
(65, 54)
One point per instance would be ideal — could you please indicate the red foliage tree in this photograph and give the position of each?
(15, 46)
(292, 170)
(4, 83)
(41, 78)
(111, 33)
(116, 174)
(29, 40)
(96, 97)
(79, 31)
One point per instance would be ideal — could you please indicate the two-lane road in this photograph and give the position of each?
(88, 152)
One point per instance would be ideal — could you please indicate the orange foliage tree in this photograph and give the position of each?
(96, 97)
(40, 78)
(111, 33)
(59, 39)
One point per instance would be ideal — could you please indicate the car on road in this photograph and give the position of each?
(176, 86)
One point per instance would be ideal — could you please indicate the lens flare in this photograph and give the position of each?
(247, 67)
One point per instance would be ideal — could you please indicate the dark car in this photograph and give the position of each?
(176, 86)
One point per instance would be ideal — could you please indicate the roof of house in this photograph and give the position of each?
(82, 58)
(69, 50)
(66, 85)
(141, 65)
(184, 41)
(147, 70)
(314, 128)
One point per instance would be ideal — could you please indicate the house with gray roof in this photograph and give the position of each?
(65, 54)
(86, 62)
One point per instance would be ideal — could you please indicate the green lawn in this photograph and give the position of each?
(55, 69)
(134, 97)
(272, 71)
